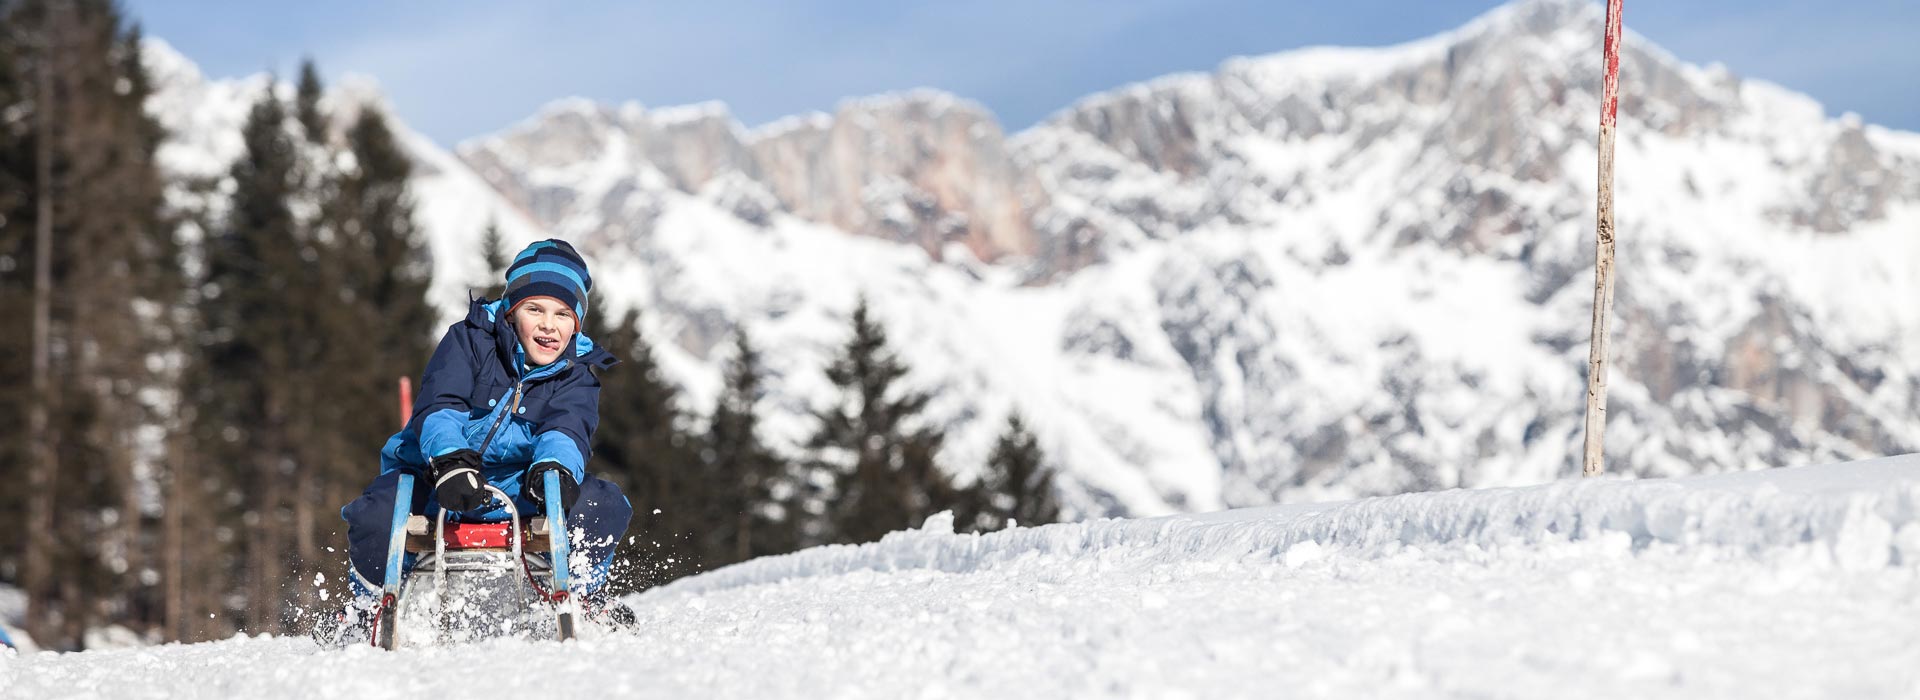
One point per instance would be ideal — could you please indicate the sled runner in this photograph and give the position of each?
(476, 580)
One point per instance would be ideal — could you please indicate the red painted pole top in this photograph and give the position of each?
(1612, 89)
(406, 400)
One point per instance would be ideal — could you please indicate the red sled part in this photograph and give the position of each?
(497, 536)
(479, 535)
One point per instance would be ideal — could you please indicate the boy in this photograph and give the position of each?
(509, 395)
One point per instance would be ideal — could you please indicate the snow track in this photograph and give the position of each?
(1783, 583)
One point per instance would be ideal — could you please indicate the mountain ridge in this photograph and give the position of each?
(1237, 288)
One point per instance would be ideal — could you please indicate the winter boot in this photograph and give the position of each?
(352, 625)
(608, 612)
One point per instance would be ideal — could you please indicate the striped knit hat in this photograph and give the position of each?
(550, 268)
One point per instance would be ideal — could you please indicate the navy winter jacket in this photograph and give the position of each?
(479, 394)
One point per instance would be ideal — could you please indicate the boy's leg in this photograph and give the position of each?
(369, 526)
(599, 519)
(369, 521)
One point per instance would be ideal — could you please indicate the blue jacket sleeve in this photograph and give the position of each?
(440, 409)
(565, 434)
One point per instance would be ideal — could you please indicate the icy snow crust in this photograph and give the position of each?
(1863, 515)
(1780, 583)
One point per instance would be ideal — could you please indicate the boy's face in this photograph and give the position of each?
(545, 326)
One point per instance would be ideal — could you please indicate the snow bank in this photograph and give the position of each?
(1859, 515)
(1780, 583)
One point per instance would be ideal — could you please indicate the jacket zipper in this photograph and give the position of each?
(513, 405)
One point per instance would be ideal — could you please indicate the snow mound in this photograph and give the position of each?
(1780, 583)
(1859, 515)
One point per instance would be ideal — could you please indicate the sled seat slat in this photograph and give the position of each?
(476, 536)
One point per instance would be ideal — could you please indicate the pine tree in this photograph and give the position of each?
(401, 271)
(335, 418)
(159, 276)
(881, 462)
(491, 250)
(375, 326)
(146, 236)
(258, 306)
(17, 188)
(386, 270)
(197, 527)
(641, 446)
(313, 122)
(1018, 486)
(753, 492)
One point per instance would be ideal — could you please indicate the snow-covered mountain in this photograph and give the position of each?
(1778, 583)
(1376, 263)
(1320, 274)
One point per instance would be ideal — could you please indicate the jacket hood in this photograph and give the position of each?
(489, 315)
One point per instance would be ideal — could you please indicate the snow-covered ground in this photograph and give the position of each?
(1782, 583)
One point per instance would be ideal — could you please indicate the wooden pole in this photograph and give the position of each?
(1603, 253)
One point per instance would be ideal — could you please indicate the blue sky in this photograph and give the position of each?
(456, 70)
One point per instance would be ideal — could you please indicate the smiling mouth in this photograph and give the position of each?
(547, 343)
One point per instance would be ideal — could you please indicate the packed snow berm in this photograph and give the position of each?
(1779, 583)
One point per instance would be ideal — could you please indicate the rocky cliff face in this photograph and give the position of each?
(922, 168)
(1499, 104)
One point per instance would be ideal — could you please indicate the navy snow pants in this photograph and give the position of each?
(597, 520)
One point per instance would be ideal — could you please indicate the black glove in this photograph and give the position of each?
(535, 487)
(457, 483)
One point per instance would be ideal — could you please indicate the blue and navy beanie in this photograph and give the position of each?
(550, 268)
